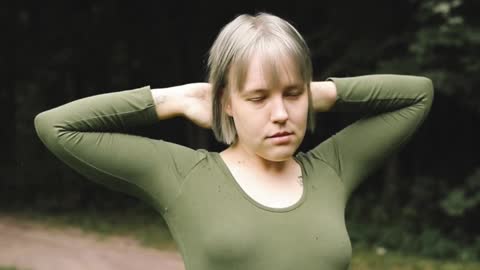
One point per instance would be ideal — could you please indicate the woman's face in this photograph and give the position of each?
(270, 120)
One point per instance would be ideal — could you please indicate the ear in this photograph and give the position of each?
(227, 105)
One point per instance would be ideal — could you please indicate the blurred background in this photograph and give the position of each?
(424, 201)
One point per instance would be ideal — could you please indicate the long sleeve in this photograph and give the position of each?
(392, 108)
(88, 135)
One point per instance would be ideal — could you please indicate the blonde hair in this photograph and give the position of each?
(230, 55)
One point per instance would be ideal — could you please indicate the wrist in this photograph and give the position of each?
(169, 102)
(324, 95)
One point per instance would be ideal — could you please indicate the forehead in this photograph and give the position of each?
(267, 71)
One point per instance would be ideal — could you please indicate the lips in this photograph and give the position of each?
(280, 134)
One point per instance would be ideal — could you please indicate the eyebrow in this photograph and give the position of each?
(260, 90)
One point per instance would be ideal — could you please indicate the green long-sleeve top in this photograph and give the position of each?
(215, 224)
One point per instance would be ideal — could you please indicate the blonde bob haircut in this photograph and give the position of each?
(229, 57)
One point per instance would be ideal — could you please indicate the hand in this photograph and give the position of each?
(198, 104)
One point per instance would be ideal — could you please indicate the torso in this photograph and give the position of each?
(217, 225)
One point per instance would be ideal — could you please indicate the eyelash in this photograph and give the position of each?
(259, 99)
(294, 94)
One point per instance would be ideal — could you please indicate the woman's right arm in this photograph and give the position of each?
(89, 135)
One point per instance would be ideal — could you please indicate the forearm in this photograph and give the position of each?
(68, 130)
(324, 95)
(109, 112)
(382, 93)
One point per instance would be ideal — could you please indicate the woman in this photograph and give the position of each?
(257, 204)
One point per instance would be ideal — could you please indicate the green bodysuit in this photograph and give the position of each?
(215, 224)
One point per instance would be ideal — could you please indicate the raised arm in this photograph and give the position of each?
(89, 135)
(391, 108)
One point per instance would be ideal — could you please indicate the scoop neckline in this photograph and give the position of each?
(289, 208)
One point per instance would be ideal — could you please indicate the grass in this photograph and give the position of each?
(372, 259)
(150, 230)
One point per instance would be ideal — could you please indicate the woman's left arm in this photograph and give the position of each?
(392, 109)
(324, 95)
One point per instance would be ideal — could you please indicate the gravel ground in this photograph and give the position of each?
(35, 247)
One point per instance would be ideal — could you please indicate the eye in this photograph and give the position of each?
(294, 93)
(256, 99)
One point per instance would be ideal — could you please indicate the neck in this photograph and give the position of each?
(245, 158)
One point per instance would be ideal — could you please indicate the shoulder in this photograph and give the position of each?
(178, 157)
(324, 154)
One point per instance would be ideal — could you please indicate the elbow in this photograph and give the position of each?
(426, 87)
(429, 88)
(42, 126)
(45, 128)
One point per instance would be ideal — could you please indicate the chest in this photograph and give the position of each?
(279, 191)
(219, 226)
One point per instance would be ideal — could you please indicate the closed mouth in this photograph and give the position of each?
(280, 134)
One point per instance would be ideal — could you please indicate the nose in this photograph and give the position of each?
(279, 112)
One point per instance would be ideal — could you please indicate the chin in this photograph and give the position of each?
(278, 156)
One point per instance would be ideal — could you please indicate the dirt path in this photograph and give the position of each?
(34, 247)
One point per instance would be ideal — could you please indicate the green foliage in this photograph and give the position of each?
(419, 222)
(379, 258)
(431, 242)
(445, 46)
(463, 198)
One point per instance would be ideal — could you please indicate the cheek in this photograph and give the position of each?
(250, 126)
(250, 123)
(299, 112)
